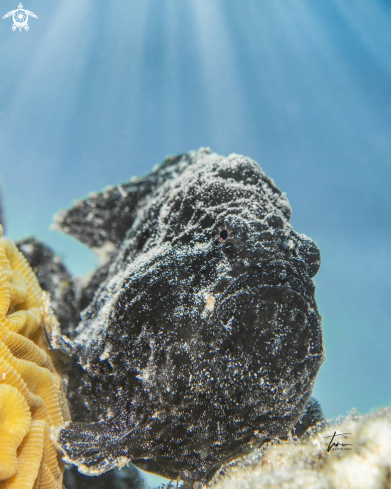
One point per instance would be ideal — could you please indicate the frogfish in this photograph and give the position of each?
(200, 337)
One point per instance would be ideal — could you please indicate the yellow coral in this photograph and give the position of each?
(31, 398)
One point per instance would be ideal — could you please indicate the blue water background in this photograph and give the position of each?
(96, 92)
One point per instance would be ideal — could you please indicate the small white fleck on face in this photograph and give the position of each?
(210, 303)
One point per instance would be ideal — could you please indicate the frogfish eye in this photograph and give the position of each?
(223, 235)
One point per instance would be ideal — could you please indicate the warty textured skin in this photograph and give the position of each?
(54, 278)
(204, 339)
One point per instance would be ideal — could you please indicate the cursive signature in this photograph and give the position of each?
(336, 444)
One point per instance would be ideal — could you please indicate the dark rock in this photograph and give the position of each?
(54, 278)
(126, 478)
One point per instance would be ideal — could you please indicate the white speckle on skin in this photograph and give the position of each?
(105, 355)
(122, 191)
(210, 302)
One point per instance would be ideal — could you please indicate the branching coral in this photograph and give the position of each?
(31, 398)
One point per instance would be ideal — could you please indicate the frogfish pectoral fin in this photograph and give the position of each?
(94, 448)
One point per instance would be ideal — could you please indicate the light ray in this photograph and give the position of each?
(220, 72)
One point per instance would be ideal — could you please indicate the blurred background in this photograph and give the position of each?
(96, 92)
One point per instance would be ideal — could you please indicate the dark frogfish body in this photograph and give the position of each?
(202, 336)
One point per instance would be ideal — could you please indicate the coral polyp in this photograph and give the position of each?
(32, 401)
